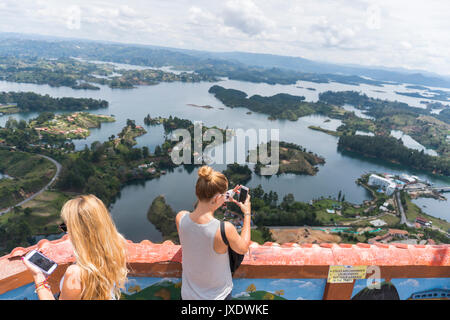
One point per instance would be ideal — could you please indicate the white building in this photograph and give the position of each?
(409, 179)
(387, 184)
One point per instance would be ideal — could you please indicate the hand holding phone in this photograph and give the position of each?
(243, 194)
(244, 200)
(37, 262)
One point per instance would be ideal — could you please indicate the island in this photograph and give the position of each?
(30, 101)
(71, 126)
(162, 216)
(237, 174)
(293, 159)
(279, 106)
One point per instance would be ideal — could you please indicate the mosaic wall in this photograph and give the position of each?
(139, 288)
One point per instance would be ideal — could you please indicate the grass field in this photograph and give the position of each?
(8, 109)
(30, 173)
(45, 212)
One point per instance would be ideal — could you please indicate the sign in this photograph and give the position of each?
(346, 274)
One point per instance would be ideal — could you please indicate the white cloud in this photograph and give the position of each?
(409, 283)
(245, 16)
(242, 294)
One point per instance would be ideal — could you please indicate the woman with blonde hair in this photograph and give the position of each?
(206, 267)
(100, 270)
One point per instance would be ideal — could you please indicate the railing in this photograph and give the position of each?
(269, 271)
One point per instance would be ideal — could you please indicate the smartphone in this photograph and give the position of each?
(42, 262)
(243, 194)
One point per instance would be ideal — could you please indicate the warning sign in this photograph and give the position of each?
(346, 274)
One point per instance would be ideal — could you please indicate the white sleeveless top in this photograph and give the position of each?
(206, 273)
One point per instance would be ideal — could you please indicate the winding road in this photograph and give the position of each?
(58, 172)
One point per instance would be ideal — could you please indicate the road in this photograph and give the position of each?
(58, 172)
(403, 219)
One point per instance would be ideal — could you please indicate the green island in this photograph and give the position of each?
(330, 132)
(162, 216)
(172, 123)
(237, 174)
(30, 101)
(129, 134)
(279, 106)
(71, 126)
(393, 150)
(292, 159)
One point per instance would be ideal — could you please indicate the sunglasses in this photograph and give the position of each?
(63, 227)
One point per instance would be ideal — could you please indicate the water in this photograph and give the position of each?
(358, 112)
(411, 143)
(130, 210)
(4, 176)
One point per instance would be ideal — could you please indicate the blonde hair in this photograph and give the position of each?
(209, 183)
(100, 250)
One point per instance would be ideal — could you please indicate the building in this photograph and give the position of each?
(378, 223)
(423, 222)
(387, 184)
(407, 178)
(397, 233)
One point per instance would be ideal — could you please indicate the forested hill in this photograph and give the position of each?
(393, 150)
(279, 106)
(30, 101)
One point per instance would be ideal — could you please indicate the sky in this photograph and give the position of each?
(412, 34)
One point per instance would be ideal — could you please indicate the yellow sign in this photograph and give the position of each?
(346, 274)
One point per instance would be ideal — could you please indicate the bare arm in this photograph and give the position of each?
(240, 243)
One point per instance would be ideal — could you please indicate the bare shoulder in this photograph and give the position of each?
(230, 229)
(180, 214)
(73, 271)
(71, 289)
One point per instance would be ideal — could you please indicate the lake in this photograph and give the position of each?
(338, 173)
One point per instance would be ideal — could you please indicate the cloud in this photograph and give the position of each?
(409, 283)
(406, 44)
(242, 294)
(200, 16)
(246, 17)
(333, 35)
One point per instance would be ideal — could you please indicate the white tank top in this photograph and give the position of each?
(206, 273)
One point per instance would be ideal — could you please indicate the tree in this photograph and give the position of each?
(251, 288)
(145, 152)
